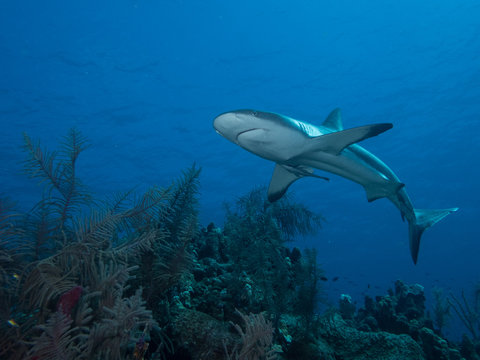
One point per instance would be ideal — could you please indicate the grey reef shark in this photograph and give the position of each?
(298, 148)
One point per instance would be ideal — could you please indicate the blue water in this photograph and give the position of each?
(144, 79)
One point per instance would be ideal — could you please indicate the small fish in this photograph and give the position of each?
(13, 323)
(335, 278)
(16, 276)
(323, 278)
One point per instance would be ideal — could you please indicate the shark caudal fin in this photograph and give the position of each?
(423, 220)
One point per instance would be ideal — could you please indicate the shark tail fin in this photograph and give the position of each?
(423, 220)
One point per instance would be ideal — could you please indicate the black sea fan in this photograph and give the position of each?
(64, 193)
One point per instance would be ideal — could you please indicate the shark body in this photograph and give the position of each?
(298, 148)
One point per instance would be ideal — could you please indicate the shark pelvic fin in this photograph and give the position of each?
(423, 220)
(337, 141)
(283, 176)
(334, 120)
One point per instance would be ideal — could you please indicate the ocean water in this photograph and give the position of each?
(144, 79)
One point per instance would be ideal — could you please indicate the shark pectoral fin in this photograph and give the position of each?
(281, 180)
(284, 175)
(337, 141)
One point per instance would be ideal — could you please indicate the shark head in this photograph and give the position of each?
(232, 125)
(265, 134)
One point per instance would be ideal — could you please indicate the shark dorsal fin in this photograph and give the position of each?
(335, 142)
(334, 120)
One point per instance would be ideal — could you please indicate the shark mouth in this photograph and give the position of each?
(245, 131)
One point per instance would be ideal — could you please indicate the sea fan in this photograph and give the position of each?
(45, 284)
(173, 255)
(256, 339)
(109, 281)
(64, 192)
(59, 340)
(183, 203)
(172, 263)
(109, 338)
(9, 248)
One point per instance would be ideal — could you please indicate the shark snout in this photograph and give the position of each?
(220, 123)
(231, 124)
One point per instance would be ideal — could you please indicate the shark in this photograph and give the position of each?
(299, 148)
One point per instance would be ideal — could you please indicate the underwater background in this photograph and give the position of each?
(143, 80)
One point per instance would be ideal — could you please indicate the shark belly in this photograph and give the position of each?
(374, 182)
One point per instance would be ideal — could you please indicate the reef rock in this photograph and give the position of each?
(435, 347)
(201, 336)
(349, 343)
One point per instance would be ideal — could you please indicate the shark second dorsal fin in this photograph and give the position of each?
(334, 120)
(335, 142)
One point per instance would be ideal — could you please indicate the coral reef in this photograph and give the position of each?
(135, 277)
(402, 312)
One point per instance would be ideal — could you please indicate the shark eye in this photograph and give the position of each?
(254, 113)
